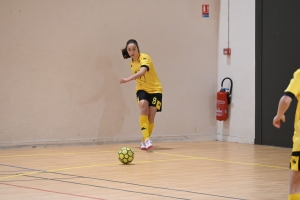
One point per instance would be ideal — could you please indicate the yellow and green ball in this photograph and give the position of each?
(126, 155)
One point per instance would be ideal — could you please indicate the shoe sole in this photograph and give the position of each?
(143, 149)
(149, 147)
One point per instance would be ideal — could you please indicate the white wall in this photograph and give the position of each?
(61, 64)
(240, 67)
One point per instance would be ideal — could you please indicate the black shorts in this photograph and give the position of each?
(154, 99)
(294, 161)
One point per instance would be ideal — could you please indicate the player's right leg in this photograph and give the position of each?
(155, 103)
(294, 177)
(144, 112)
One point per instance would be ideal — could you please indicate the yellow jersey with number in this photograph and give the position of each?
(150, 81)
(294, 87)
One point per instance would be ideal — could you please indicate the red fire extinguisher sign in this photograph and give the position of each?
(205, 10)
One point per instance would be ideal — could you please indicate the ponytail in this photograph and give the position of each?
(125, 52)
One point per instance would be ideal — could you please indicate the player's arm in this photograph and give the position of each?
(284, 104)
(291, 92)
(137, 75)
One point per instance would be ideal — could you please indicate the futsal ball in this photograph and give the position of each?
(126, 155)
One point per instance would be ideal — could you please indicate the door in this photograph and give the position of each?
(277, 57)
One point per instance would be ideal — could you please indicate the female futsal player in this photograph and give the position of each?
(148, 89)
(292, 91)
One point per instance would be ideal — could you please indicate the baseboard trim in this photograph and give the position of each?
(116, 140)
(228, 138)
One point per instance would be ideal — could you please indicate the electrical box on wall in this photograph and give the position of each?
(227, 51)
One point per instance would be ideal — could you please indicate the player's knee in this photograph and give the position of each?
(144, 110)
(143, 103)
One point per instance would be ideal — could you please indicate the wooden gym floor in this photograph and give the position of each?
(192, 170)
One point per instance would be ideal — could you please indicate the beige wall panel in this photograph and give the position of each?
(61, 64)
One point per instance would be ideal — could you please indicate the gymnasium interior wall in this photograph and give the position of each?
(61, 64)
(239, 32)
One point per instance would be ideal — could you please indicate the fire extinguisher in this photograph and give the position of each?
(223, 100)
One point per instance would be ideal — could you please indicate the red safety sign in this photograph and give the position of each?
(205, 10)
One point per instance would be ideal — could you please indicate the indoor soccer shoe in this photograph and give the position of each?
(148, 144)
(143, 146)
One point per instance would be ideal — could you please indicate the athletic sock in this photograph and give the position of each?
(294, 197)
(144, 124)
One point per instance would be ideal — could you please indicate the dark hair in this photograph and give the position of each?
(124, 51)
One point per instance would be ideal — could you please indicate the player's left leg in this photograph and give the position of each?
(155, 105)
(294, 185)
(151, 116)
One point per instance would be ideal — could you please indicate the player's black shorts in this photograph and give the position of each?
(154, 99)
(294, 161)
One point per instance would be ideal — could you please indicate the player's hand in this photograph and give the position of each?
(124, 80)
(277, 119)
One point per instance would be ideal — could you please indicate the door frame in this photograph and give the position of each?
(258, 71)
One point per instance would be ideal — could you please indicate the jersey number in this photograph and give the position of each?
(154, 100)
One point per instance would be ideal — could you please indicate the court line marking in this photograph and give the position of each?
(81, 167)
(51, 191)
(51, 154)
(84, 177)
(98, 186)
(128, 183)
(29, 180)
(145, 193)
(219, 160)
(178, 155)
(140, 185)
(166, 160)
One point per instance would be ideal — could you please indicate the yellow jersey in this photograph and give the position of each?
(294, 87)
(149, 82)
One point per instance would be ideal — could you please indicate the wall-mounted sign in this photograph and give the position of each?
(205, 10)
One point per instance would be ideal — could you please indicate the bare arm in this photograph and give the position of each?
(283, 105)
(141, 73)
